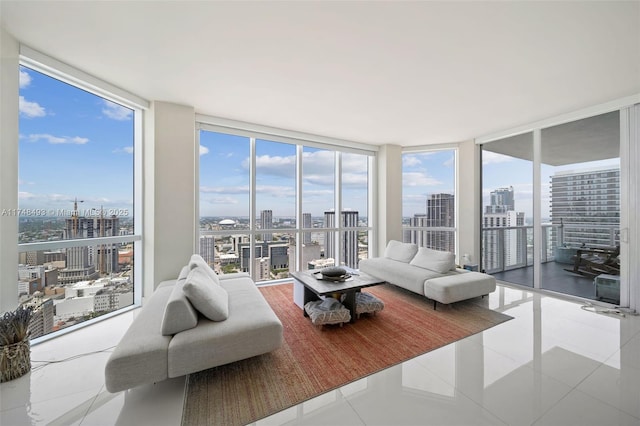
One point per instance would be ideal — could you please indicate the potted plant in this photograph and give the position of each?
(15, 349)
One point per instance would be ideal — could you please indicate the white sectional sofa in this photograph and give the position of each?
(430, 273)
(195, 322)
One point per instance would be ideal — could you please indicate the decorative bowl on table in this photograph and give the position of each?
(335, 274)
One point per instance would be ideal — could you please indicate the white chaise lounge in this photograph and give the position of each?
(430, 273)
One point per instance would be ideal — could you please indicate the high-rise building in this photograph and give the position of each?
(440, 214)
(349, 240)
(307, 224)
(266, 222)
(310, 251)
(504, 243)
(585, 207)
(82, 262)
(208, 248)
(276, 252)
(502, 200)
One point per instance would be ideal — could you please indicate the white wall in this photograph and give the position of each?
(468, 190)
(169, 191)
(9, 88)
(389, 198)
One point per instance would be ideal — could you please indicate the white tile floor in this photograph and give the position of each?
(553, 364)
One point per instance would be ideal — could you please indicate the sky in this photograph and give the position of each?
(76, 145)
(423, 174)
(73, 145)
(224, 178)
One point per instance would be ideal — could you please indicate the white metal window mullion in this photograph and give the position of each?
(252, 205)
(338, 209)
(537, 214)
(299, 221)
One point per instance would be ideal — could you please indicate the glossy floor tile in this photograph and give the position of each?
(555, 363)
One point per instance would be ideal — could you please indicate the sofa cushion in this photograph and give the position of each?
(399, 273)
(434, 260)
(197, 260)
(206, 295)
(252, 329)
(179, 314)
(141, 355)
(460, 286)
(402, 252)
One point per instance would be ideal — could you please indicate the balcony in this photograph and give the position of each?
(508, 256)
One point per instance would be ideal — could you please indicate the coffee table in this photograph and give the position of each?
(316, 287)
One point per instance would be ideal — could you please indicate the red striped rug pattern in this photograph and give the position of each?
(314, 360)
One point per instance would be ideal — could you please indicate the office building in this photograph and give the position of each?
(266, 222)
(349, 239)
(585, 208)
(504, 244)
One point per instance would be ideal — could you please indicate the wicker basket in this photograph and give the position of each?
(15, 360)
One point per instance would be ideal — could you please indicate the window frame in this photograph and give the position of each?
(65, 73)
(454, 148)
(299, 140)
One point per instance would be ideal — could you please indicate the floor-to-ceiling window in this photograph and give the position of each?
(507, 208)
(552, 207)
(428, 198)
(268, 206)
(77, 188)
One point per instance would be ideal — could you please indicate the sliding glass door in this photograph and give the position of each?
(580, 208)
(551, 208)
(507, 209)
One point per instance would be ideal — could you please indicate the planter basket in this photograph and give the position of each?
(15, 360)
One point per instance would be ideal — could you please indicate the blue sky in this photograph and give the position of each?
(73, 144)
(224, 178)
(424, 174)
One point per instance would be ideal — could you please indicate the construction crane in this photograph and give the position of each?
(74, 218)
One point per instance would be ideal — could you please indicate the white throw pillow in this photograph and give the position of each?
(197, 261)
(179, 313)
(434, 260)
(402, 252)
(206, 296)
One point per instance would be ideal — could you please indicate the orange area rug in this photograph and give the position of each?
(314, 360)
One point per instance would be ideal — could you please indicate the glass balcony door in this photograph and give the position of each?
(507, 209)
(580, 208)
(552, 208)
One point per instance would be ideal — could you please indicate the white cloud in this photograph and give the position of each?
(275, 191)
(203, 150)
(225, 189)
(25, 79)
(410, 161)
(56, 140)
(450, 162)
(30, 109)
(116, 112)
(489, 157)
(419, 179)
(25, 195)
(126, 150)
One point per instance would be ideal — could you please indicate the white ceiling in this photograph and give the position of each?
(409, 73)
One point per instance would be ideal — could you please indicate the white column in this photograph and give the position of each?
(468, 202)
(169, 191)
(389, 208)
(9, 89)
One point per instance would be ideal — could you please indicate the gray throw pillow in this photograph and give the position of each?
(207, 296)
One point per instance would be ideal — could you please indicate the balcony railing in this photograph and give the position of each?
(510, 248)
